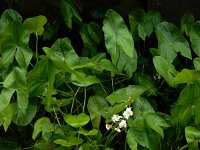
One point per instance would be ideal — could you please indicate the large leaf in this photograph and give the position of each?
(186, 76)
(187, 107)
(187, 21)
(119, 43)
(165, 69)
(6, 117)
(77, 120)
(69, 12)
(131, 140)
(16, 81)
(97, 107)
(45, 126)
(35, 24)
(125, 94)
(196, 63)
(171, 41)
(195, 37)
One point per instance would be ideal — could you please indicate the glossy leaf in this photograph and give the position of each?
(119, 43)
(129, 93)
(85, 132)
(97, 107)
(171, 41)
(71, 141)
(195, 37)
(77, 120)
(186, 76)
(6, 117)
(165, 69)
(35, 24)
(187, 21)
(69, 12)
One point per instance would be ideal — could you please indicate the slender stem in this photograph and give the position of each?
(56, 116)
(74, 99)
(113, 89)
(85, 96)
(103, 89)
(36, 47)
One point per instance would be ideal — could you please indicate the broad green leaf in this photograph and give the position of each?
(187, 21)
(155, 122)
(97, 107)
(119, 43)
(195, 37)
(131, 140)
(35, 24)
(22, 119)
(144, 135)
(77, 120)
(5, 97)
(6, 116)
(83, 79)
(69, 12)
(45, 126)
(116, 109)
(91, 35)
(192, 134)
(171, 41)
(109, 66)
(155, 18)
(196, 63)
(129, 93)
(187, 107)
(11, 15)
(85, 132)
(17, 81)
(165, 69)
(71, 141)
(186, 76)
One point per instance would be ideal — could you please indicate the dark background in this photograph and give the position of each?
(171, 10)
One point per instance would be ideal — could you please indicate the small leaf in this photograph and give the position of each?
(123, 94)
(77, 120)
(71, 141)
(196, 63)
(35, 24)
(187, 21)
(165, 69)
(85, 132)
(6, 117)
(195, 37)
(192, 134)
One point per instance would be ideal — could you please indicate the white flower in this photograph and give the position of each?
(128, 112)
(108, 126)
(122, 124)
(116, 118)
(117, 129)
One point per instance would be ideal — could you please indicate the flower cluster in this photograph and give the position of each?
(120, 120)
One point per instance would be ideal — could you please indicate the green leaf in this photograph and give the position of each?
(129, 93)
(5, 97)
(6, 117)
(97, 107)
(165, 69)
(131, 140)
(109, 66)
(196, 63)
(187, 106)
(187, 21)
(71, 141)
(83, 79)
(35, 24)
(193, 137)
(171, 41)
(85, 132)
(45, 126)
(119, 43)
(155, 18)
(17, 81)
(69, 12)
(11, 15)
(77, 120)
(22, 119)
(186, 76)
(195, 37)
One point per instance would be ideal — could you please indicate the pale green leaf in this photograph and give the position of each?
(6, 117)
(71, 141)
(196, 63)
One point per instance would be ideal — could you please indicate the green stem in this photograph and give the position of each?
(74, 99)
(36, 47)
(85, 96)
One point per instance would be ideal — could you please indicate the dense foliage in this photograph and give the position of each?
(116, 85)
